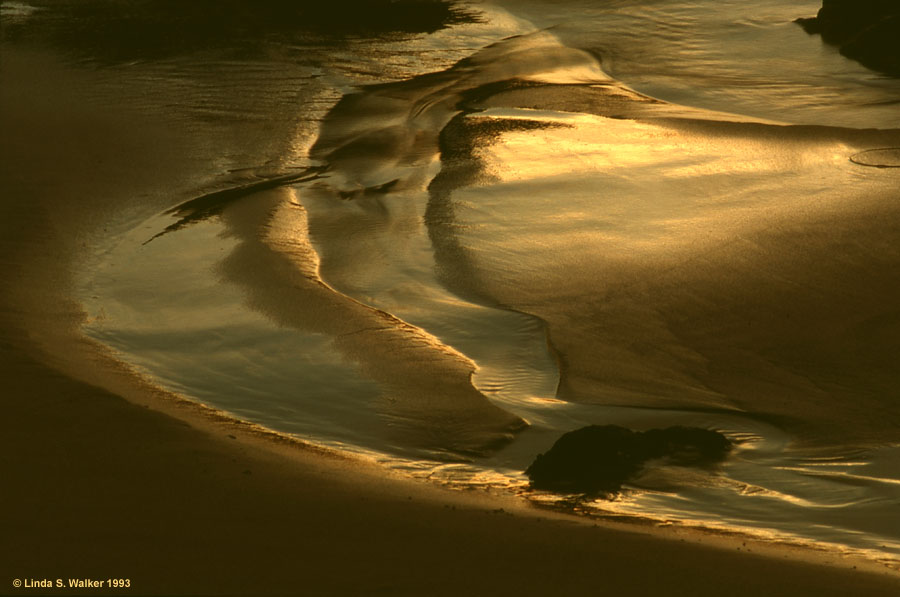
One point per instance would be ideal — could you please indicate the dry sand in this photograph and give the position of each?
(124, 482)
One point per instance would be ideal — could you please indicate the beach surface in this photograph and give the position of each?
(101, 487)
(107, 477)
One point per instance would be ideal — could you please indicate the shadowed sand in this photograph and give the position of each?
(128, 482)
(102, 486)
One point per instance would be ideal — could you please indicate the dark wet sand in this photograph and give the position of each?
(126, 483)
(97, 486)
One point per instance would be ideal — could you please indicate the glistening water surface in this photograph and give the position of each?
(638, 213)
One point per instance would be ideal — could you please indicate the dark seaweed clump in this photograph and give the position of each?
(600, 458)
(867, 31)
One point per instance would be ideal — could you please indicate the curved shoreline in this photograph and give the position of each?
(111, 477)
(170, 494)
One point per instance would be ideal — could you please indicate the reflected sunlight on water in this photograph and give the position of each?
(490, 242)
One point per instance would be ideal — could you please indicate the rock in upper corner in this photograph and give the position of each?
(867, 31)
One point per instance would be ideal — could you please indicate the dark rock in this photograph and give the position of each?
(599, 458)
(686, 446)
(589, 460)
(878, 47)
(867, 31)
(843, 20)
(811, 25)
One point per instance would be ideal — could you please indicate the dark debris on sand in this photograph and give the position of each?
(600, 458)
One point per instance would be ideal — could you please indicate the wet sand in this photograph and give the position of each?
(101, 487)
(105, 477)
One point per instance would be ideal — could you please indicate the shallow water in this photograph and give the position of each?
(635, 213)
